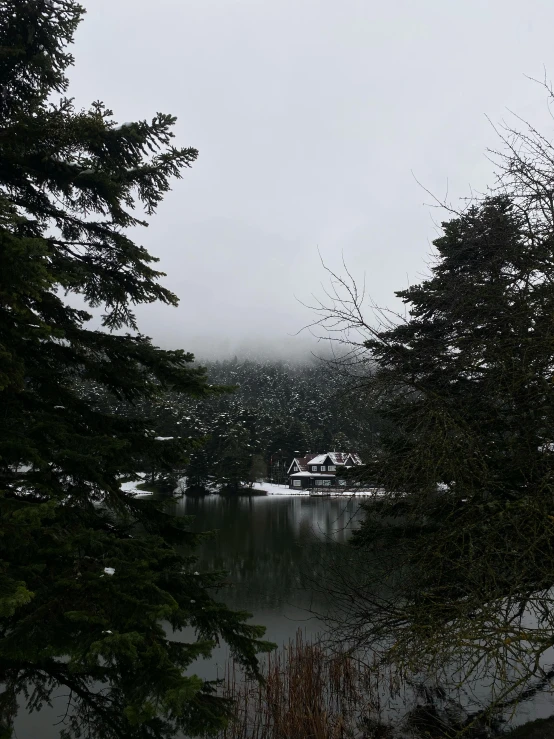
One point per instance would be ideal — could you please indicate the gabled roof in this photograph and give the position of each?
(302, 462)
(355, 458)
(337, 458)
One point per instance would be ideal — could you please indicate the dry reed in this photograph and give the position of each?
(307, 693)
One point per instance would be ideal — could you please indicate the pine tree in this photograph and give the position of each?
(466, 381)
(200, 469)
(89, 574)
(234, 459)
(258, 469)
(341, 443)
(463, 536)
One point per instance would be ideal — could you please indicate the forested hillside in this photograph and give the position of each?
(272, 410)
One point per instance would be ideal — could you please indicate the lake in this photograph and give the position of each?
(265, 544)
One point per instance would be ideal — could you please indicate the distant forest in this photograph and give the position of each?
(273, 411)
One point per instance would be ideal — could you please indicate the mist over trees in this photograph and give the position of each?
(272, 411)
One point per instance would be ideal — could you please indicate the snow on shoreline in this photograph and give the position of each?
(131, 487)
(272, 488)
(269, 488)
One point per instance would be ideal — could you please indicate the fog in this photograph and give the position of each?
(317, 123)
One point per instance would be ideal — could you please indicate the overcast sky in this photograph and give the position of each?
(312, 118)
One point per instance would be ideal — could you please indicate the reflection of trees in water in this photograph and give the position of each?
(264, 542)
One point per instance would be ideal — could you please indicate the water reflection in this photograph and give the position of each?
(265, 543)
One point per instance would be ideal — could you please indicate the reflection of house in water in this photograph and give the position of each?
(264, 543)
(318, 471)
(328, 519)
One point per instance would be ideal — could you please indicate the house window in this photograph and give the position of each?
(323, 468)
(326, 482)
(314, 468)
(296, 483)
(342, 482)
(319, 483)
(331, 468)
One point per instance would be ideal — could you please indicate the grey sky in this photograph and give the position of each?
(310, 116)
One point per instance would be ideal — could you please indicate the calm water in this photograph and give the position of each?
(266, 545)
(263, 543)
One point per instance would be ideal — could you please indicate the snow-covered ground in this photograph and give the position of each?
(131, 487)
(272, 488)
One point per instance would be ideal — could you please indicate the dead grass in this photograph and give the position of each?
(306, 694)
(309, 692)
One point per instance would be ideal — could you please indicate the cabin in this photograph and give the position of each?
(318, 471)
